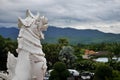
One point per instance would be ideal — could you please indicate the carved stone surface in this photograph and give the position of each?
(31, 63)
(11, 64)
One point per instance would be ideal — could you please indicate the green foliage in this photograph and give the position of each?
(59, 66)
(6, 44)
(59, 72)
(51, 53)
(78, 52)
(116, 75)
(86, 65)
(103, 72)
(54, 75)
(67, 56)
(116, 65)
(63, 41)
(116, 49)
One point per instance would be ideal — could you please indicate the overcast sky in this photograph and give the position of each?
(103, 15)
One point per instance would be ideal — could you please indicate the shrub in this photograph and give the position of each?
(59, 72)
(103, 72)
(116, 75)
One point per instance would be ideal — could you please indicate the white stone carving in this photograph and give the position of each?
(11, 64)
(31, 62)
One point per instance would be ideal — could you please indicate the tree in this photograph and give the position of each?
(59, 72)
(3, 55)
(63, 41)
(116, 50)
(86, 65)
(103, 72)
(51, 53)
(116, 75)
(6, 44)
(67, 56)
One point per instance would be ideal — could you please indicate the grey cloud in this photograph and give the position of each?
(63, 12)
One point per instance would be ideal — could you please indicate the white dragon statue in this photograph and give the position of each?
(31, 62)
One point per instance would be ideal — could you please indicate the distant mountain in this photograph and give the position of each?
(73, 35)
(9, 32)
